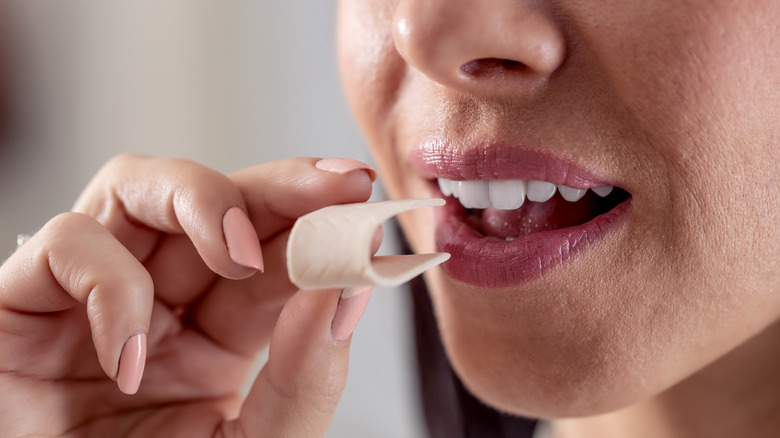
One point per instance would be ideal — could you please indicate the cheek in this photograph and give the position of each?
(372, 74)
(572, 351)
(700, 84)
(710, 263)
(698, 81)
(710, 251)
(371, 69)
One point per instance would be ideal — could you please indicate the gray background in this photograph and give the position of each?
(228, 84)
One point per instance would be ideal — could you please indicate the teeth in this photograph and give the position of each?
(571, 194)
(603, 190)
(445, 185)
(540, 191)
(510, 194)
(474, 194)
(507, 194)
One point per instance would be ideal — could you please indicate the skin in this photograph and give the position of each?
(659, 328)
(144, 252)
(665, 328)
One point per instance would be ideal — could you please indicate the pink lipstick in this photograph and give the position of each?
(495, 248)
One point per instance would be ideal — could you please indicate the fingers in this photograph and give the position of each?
(241, 319)
(297, 391)
(275, 195)
(72, 260)
(278, 193)
(137, 197)
(240, 316)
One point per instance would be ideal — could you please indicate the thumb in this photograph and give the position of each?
(296, 393)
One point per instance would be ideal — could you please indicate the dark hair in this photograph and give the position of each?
(450, 410)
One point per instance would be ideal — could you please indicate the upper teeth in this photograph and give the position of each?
(510, 194)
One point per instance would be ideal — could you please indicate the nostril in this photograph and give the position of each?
(487, 67)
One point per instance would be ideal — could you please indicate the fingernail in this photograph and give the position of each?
(343, 166)
(131, 364)
(348, 312)
(241, 238)
(376, 241)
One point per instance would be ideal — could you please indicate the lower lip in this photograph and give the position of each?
(490, 263)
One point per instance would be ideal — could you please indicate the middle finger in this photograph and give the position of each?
(276, 194)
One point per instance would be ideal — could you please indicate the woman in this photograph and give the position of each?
(613, 256)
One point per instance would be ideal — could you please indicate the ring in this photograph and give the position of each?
(21, 239)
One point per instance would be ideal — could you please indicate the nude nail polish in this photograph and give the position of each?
(132, 361)
(243, 246)
(343, 166)
(348, 312)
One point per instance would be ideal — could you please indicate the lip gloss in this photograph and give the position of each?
(493, 263)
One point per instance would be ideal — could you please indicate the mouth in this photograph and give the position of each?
(513, 215)
(512, 209)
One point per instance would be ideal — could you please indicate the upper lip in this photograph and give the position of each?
(489, 160)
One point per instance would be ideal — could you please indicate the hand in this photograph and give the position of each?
(160, 255)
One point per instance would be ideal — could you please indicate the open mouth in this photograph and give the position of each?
(514, 213)
(511, 209)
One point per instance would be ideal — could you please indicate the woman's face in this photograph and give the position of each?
(563, 308)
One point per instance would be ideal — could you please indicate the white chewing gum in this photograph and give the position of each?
(331, 248)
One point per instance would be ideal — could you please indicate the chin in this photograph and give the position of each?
(570, 292)
(522, 351)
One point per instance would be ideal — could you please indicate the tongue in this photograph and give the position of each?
(534, 217)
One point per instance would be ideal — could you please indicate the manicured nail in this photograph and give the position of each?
(348, 312)
(376, 241)
(131, 364)
(241, 238)
(343, 166)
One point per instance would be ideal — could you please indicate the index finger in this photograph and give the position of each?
(275, 194)
(276, 197)
(137, 198)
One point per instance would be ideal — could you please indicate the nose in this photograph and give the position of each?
(480, 46)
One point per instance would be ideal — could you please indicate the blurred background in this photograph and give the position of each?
(228, 84)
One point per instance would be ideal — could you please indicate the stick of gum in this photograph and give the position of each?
(330, 248)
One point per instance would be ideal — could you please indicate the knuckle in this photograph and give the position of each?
(65, 224)
(115, 164)
(120, 160)
(80, 252)
(143, 285)
(55, 250)
(205, 184)
(325, 394)
(320, 396)
(196, 186)
(100, 190)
